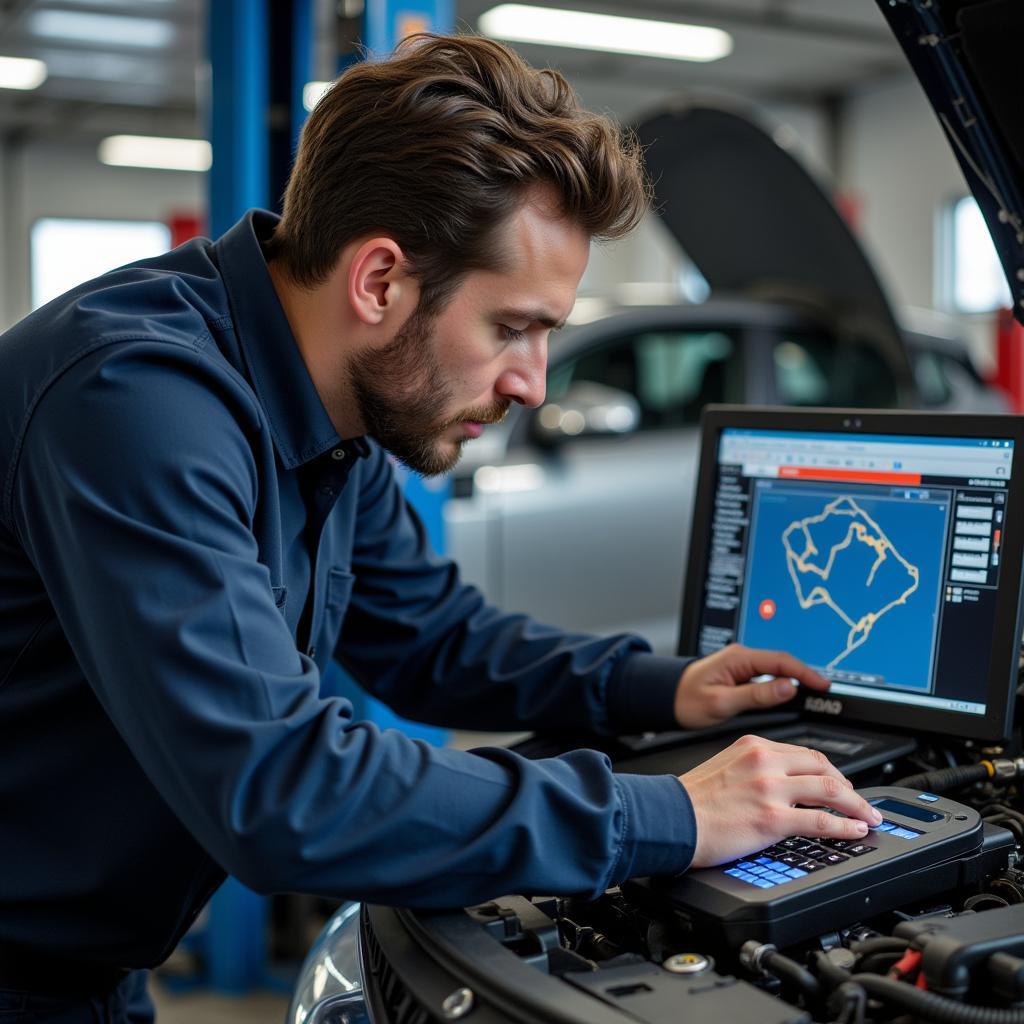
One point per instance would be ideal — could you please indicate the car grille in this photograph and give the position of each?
(388, 997)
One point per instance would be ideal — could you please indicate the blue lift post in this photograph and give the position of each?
(233, 941)
(255, 118)
(239, 60)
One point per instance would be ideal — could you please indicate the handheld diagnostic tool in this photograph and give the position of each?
(802, 887)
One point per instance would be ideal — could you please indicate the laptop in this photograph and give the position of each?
(882, 548)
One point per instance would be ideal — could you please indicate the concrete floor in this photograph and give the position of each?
(207, 1008)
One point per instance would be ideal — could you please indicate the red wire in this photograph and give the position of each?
(907, 964)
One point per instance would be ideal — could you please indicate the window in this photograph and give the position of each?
(672, 374)
(971, 279)
(932, 379)
(66, 252)
(816, 370)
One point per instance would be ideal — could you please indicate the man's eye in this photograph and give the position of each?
(510, 333)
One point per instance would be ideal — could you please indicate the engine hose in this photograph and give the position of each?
(947, 778)
(786, 969)
(921, 1003)
(879, 944)
(878, 963)
(835, 976)
(930, 1005)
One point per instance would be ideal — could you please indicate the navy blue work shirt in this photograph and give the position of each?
(184, 543)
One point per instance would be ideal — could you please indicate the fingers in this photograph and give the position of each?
(788, 759)
(815, 823)
(749, 662)
(757, 791)
(827, 791)
(789, 774)
(779, 663)
(714, 688)
(767, 693)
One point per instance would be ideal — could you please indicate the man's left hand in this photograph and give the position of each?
(713, 689)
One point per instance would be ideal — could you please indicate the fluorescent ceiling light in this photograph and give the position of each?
(149, 151)
(582, 30)
(21, 73)
(105, 29)
(312, 92)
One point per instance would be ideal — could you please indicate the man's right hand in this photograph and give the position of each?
(745, 798)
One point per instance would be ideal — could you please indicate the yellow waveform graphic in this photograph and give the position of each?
(861, 529)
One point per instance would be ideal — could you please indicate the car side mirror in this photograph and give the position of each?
(586, 409)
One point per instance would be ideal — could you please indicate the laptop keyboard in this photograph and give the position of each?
(797, 857)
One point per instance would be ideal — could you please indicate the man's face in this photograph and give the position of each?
(440, 380)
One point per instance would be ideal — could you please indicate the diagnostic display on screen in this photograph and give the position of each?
(875, 558)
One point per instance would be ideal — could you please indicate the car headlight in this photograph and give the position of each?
(330, 985)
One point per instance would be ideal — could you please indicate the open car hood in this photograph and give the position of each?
(756, 223)
(967, 56)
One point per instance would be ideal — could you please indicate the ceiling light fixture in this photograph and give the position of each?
(21, 73)
(160, 153)
(312, 93)
(103, 29)
(521, 23)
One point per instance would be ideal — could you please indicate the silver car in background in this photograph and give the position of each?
(578, 512)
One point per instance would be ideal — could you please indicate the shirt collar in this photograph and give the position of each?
(299, 423)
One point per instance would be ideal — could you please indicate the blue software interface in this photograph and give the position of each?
(874, 558)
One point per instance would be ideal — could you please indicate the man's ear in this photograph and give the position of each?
(379, 284)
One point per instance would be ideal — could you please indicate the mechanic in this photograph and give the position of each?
(199, 511)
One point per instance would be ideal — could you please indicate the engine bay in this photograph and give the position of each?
(939, 938)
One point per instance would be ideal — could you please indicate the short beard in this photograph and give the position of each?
(402, 396)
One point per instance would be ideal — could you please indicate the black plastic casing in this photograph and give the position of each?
(995, 724)
(942, 858)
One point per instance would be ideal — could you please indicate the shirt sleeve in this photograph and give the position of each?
(134, 496)
(431, 648)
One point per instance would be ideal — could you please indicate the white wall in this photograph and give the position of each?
(896, 161)
(49, 179)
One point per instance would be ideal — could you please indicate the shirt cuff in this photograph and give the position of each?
(641, 693)
(659, 833)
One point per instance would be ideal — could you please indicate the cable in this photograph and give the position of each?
(854, 1000)
(909, 964)
(878, 963)
(948, 778)
(928, 1005)
(934, 1007)
(764, 958)
(879, 944)
(1004, 810)
(789, 970)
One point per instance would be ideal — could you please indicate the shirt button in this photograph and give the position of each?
(338, 454)
(312, 651)
(327, 491)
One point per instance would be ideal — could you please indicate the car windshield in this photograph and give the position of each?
(812, 369)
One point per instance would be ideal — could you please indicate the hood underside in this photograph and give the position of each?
(967, 54)
(756, 223)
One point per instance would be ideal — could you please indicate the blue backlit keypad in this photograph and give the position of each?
(797, 857)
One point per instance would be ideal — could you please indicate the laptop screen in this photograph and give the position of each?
(877, 547)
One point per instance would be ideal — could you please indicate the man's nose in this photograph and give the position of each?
(525, 379)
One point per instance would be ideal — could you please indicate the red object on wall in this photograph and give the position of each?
(850, 206)
(1009, 375)
(185, 226)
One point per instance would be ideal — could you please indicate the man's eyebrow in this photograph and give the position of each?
(532, 316)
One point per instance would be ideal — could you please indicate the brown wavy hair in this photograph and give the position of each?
(435, 147)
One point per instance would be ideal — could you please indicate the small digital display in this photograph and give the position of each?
(908, 810)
